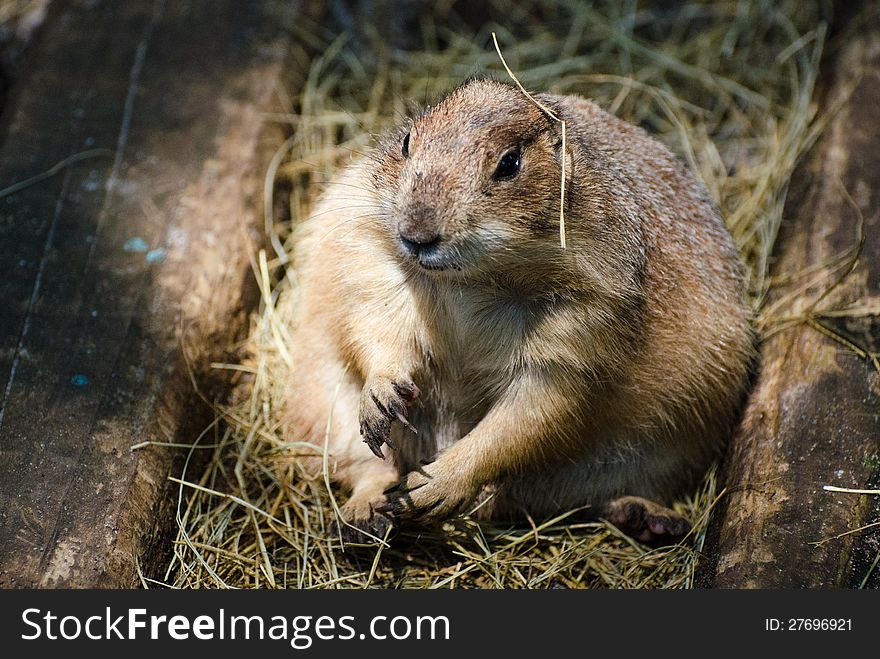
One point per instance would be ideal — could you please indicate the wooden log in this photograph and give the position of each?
(813, 418)
(109, 268)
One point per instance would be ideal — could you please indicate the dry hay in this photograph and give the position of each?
(727, 85)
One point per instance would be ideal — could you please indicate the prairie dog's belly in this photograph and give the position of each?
(454, 399)
(469, 362)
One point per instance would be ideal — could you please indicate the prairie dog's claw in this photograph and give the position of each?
(383, 401)
(431, 494)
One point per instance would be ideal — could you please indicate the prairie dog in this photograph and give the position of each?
(439, 316)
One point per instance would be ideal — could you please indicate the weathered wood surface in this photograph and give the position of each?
(92, 328)
(19, 23)
(814, 416)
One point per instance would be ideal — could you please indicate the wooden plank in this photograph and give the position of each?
(19, 21)
(92, 326)
(814, 416)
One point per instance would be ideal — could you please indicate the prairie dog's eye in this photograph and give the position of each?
(405, 149)
(509, 165)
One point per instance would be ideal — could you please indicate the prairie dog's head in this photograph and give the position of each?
(471, 182)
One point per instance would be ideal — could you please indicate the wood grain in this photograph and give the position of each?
(814, 416)
(93, 329)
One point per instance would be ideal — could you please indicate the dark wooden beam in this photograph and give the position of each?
(115, 267)
(814, 416)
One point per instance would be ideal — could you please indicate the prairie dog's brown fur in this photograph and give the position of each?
(433, 291)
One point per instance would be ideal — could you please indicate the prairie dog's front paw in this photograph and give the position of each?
(384, 400)
(433, 493)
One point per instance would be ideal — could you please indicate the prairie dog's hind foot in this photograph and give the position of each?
(645, 520)
(361, 519)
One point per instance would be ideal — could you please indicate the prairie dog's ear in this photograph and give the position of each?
(552, 102)
(557, 105)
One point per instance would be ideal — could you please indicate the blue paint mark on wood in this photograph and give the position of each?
(136, 244)
(156, 255)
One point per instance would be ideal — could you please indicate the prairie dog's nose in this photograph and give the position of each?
(415, 249)
(418, 229)
(421, 244)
